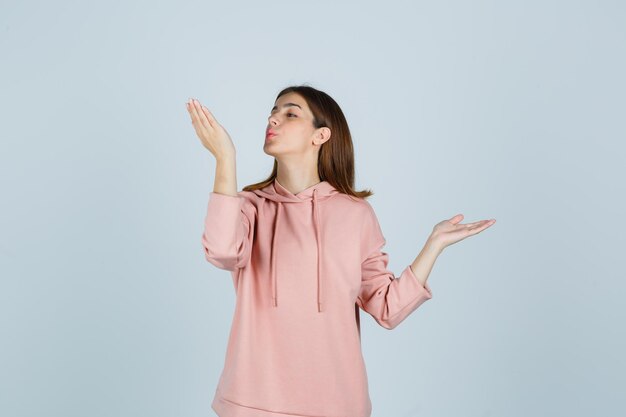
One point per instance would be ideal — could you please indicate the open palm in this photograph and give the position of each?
(452, 231)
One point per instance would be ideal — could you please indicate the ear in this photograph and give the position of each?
(321, 136)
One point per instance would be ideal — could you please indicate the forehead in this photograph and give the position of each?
(292, 100)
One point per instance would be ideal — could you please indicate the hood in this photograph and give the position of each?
(311, 195)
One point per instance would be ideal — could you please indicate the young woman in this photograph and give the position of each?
(305, 253)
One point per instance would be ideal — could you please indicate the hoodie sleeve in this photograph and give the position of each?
(228, 231)
(387, 298)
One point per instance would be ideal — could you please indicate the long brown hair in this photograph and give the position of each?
(335, 162)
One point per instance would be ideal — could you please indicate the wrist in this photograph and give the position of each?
(433, 245)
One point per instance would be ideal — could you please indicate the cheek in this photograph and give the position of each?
(304, 140)
(296, 138)
(294, 142)
(298, 134)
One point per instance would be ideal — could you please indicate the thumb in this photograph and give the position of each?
(456, 219)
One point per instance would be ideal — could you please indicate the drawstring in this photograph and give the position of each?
(320, 297)
(273, 266)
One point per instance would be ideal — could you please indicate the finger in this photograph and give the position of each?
(482, 226)
(199, 115)
(479, 222)
(470, 225)
(489, 222)
(209, 117)
(192, 111)
(456, 219)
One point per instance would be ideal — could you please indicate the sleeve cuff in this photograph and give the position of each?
(425, 286)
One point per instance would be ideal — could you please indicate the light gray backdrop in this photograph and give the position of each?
(510, 110)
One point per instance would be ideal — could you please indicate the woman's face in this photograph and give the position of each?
(290, 127)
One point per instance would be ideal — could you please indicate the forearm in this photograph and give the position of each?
(225, 175)
(423, 264)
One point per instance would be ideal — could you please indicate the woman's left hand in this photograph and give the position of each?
(452, 231)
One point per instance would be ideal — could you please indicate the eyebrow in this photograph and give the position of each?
(288, 105)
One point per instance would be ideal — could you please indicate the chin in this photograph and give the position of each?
(268, 152)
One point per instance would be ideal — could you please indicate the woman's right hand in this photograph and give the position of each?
(212, 135)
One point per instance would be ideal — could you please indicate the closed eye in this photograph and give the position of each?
(288, 114)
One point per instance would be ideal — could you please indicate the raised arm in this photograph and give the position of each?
(387, 298)
(228, 225)
(228, 231)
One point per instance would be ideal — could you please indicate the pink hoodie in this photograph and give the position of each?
(302, 266)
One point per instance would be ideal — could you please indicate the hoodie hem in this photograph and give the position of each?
(226, 408)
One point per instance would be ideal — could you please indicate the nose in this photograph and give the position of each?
(272, 120)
